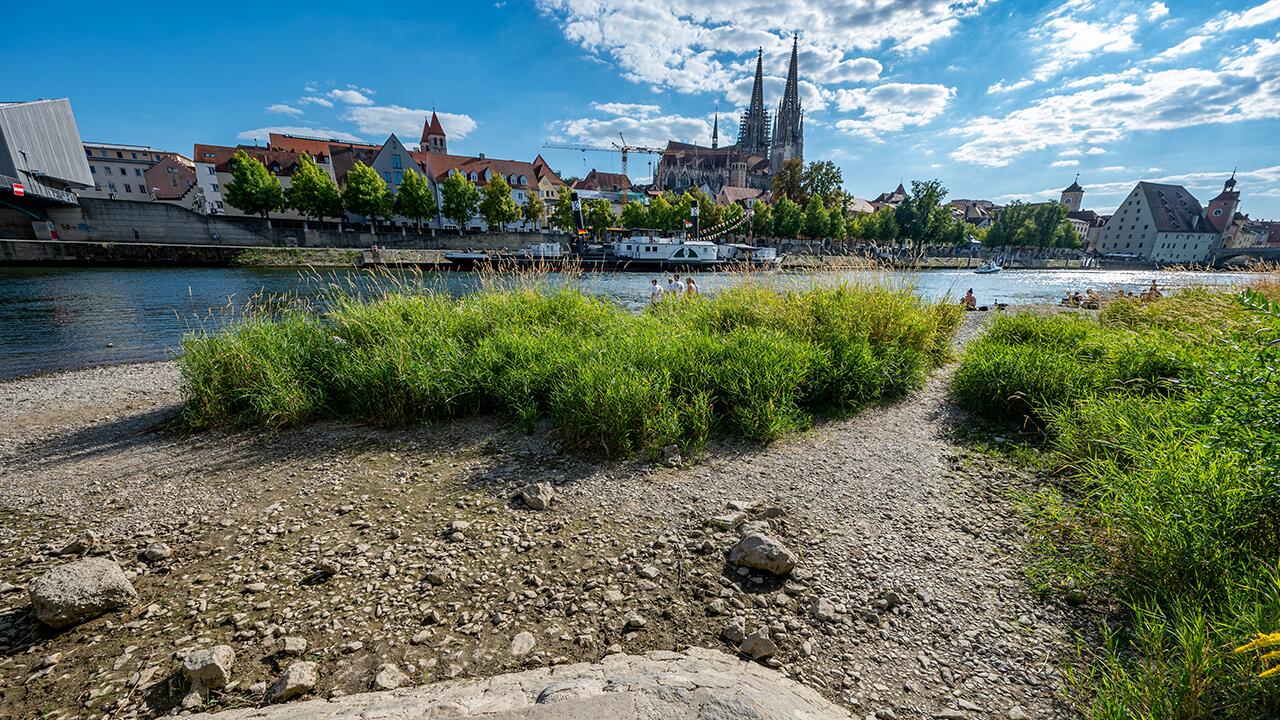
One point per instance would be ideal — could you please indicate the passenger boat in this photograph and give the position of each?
(642, 251)
(988, 268)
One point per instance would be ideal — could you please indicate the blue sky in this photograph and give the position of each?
(1001, 99)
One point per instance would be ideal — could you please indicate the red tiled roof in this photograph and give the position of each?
(316, 146)
(601, 181)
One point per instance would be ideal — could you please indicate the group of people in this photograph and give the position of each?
(673, 286)
(1092, 300)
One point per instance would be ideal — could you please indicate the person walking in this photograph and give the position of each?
(655, 291)
(691, 287)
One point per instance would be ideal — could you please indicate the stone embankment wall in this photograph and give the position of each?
(124, 221)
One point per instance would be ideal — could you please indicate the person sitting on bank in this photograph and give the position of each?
(690, 286)
(1092, 300)
(1153, 293)
(655, 291)
(970, 301)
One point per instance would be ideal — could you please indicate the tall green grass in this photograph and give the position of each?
(752, 361)
(1165, 418)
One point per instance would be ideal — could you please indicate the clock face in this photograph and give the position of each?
(1217, 212)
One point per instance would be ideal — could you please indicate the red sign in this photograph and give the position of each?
(18, 190)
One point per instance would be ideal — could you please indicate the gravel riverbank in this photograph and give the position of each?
(409, 547)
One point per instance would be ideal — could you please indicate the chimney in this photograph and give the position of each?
(481, 156)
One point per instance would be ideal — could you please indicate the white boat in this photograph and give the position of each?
(649, 250)
(543, 251)
(741, 253)
(988, 268)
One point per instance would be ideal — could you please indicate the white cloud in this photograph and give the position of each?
(706, 45)
(350, 97)
(284, 109)
(378, 121)
(1190, 46)
(1245, 86)
(627, 109)
(1000, 87)
(1096, 151)
(1067, 40)
(643, 125)
(1114, 168)
(890, 107)
(1065, 163)
(1157, 10)
(1256, 15)
(316, 100)
(261, 134)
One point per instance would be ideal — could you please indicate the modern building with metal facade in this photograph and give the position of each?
(40, 150)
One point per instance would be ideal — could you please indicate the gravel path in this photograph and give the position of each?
(904, 537)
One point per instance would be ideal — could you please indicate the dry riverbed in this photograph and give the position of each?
(409, 547)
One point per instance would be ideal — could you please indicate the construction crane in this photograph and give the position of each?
(615, 147)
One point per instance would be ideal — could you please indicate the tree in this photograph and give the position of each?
(599, 216)
(253, 189)
(313, 193)
(1042, 225)
(921, 216)
(789, 181)
(459, 199)
(709, 213)
(733, 212)
(496, 204)
(661, 212)
(821, 178)
(762, 219)
(837, 228)
(788, 219)
(366, 194)
(815, 218)
(416, 199)
(562, 214)
(533, 209)
(635, 215)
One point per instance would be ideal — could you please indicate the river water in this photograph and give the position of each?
(67, 318)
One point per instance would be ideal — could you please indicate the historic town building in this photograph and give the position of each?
(764, 143)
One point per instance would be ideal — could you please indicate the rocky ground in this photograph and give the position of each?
(399, 557)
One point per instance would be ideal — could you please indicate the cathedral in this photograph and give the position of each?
(763, 145)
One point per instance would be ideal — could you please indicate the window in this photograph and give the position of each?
(128, 187)
(137, 171)
(399, 177)
(395, 161)
(386, 176)
(106, 169)
(210, 169)
(218, 203)
(119, 154)
(215, 187)
(174, 181)
(135, 155)
(93, 169)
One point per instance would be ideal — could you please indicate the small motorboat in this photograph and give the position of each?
(988, 268)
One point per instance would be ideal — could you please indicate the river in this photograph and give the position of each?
(67, 318)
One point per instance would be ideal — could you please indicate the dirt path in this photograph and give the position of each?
(881, 507)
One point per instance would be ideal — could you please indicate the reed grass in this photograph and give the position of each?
(752, 361)
(1164, 418)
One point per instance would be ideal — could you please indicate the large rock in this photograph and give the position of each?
(210, 667)
(298, 679)
(538, 496)
(762, 552)
(697, 684)
(80, 591)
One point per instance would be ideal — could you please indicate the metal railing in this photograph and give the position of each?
(40, 190)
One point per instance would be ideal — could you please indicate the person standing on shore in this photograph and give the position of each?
(674, 285)
(655, 291)
(691, 287)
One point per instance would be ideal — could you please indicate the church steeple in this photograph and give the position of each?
(715, 131)
(788, 124)
(753, 130)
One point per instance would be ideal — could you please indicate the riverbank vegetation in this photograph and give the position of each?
(754, 362)
(1163, 421)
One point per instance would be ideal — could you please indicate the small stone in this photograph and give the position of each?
(635, 621)
(328, 567)
(293, 646)
(255, 587)
(538, 496)
(389, 677)
(298, 679)
(352, 647)
(824, 610)
(79, 544)
(728, 521)
(420, 637)
(648, 571)
(758, 645)
(522, 644)
(155, 552)
(670, 456)
(1017, 713)
(736, 631)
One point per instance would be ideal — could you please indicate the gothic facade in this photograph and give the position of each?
(764, 143)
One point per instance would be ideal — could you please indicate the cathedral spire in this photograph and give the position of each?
(715, 132)
(753, 130)
(788, 123)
